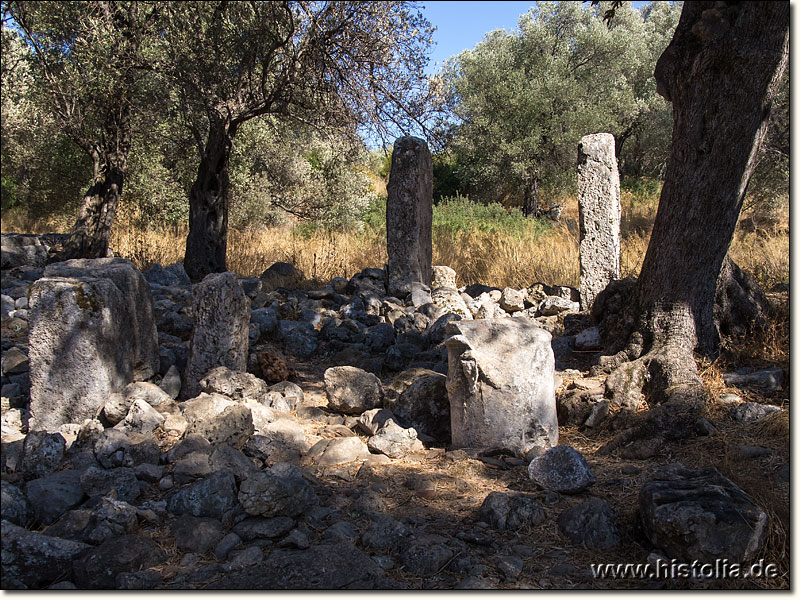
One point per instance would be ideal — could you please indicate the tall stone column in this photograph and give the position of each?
(599, 215)
(409, 216)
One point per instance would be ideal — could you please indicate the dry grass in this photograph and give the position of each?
(492, 258)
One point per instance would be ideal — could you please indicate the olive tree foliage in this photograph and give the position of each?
(325, 64)
(282, 169)
(87, 58)
(518, 103)
(40, 168)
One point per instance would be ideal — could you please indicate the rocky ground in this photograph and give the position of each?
(328, 465)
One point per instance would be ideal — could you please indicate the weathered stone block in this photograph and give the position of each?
(136, 294)
(599, 215)
(81, 349)
(221, 313)
(409, 215)
(500, 385)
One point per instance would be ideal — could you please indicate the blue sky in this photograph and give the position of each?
(463, 24)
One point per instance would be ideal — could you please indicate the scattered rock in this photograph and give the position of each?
(253, 528)
(337, 451)
(561, 469)
(194, 534)
(97, 568)
(395, 441)
(53, 495)
(42, 452)
(510, 567)
(13, 505)
(209, 497)
(509, 512)
(351, 390)
(750, 412)
(280, 490)
(590, 524)
(35, 560)
(122, 480)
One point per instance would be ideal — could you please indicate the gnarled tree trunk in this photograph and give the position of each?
(207, 242)
(89, 237)
(530, 203)
(720, 73)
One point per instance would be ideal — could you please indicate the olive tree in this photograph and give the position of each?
(327, 64)
(518, 103)
(87, 57)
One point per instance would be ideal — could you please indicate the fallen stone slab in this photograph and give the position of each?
(701, 515)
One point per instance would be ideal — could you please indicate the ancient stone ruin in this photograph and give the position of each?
(500, 384)
(599, 214)
(409, 215)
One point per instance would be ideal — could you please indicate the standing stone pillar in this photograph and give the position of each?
(409, 216)
(221, 312)
(599, 215)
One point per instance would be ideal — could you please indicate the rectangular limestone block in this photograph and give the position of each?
(500, 385)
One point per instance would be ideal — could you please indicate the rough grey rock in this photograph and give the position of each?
(384, 533)
(352, 390)
(136, 293)
(221, 312)
(395, 441)
(14, 361)
(321, 567)
(371, 421)
(108, 518)
(196, 534)
(225, 545)
(701, 515)
(599, 215)
(767, 381)
(510, 567)
(750, 412)
(253, 528)
(511, 511)
(98, 567)
(512, 300)
(19, 249)
(425, 555)
(122, 480)
(409, 215)
(14, 506)
(590, 524)
(589, 339)
(561, 469)
(450, 301)
(236, 385)
(141, 580)
(53, 495)
(33, 559)
(219, 420)
(42, 452)
(425, 406)
(115, 448)
(337, 451)
(284, 396)
(443, 276)
(554, 305)
(209, 497)
(141, 418)
(280, 490)
(191, 467)
(341, 531)
(80, 358)
(500, 385)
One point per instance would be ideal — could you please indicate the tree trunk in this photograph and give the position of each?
(530, 204)
(720, 73)
(207, 242)
(90, 234)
